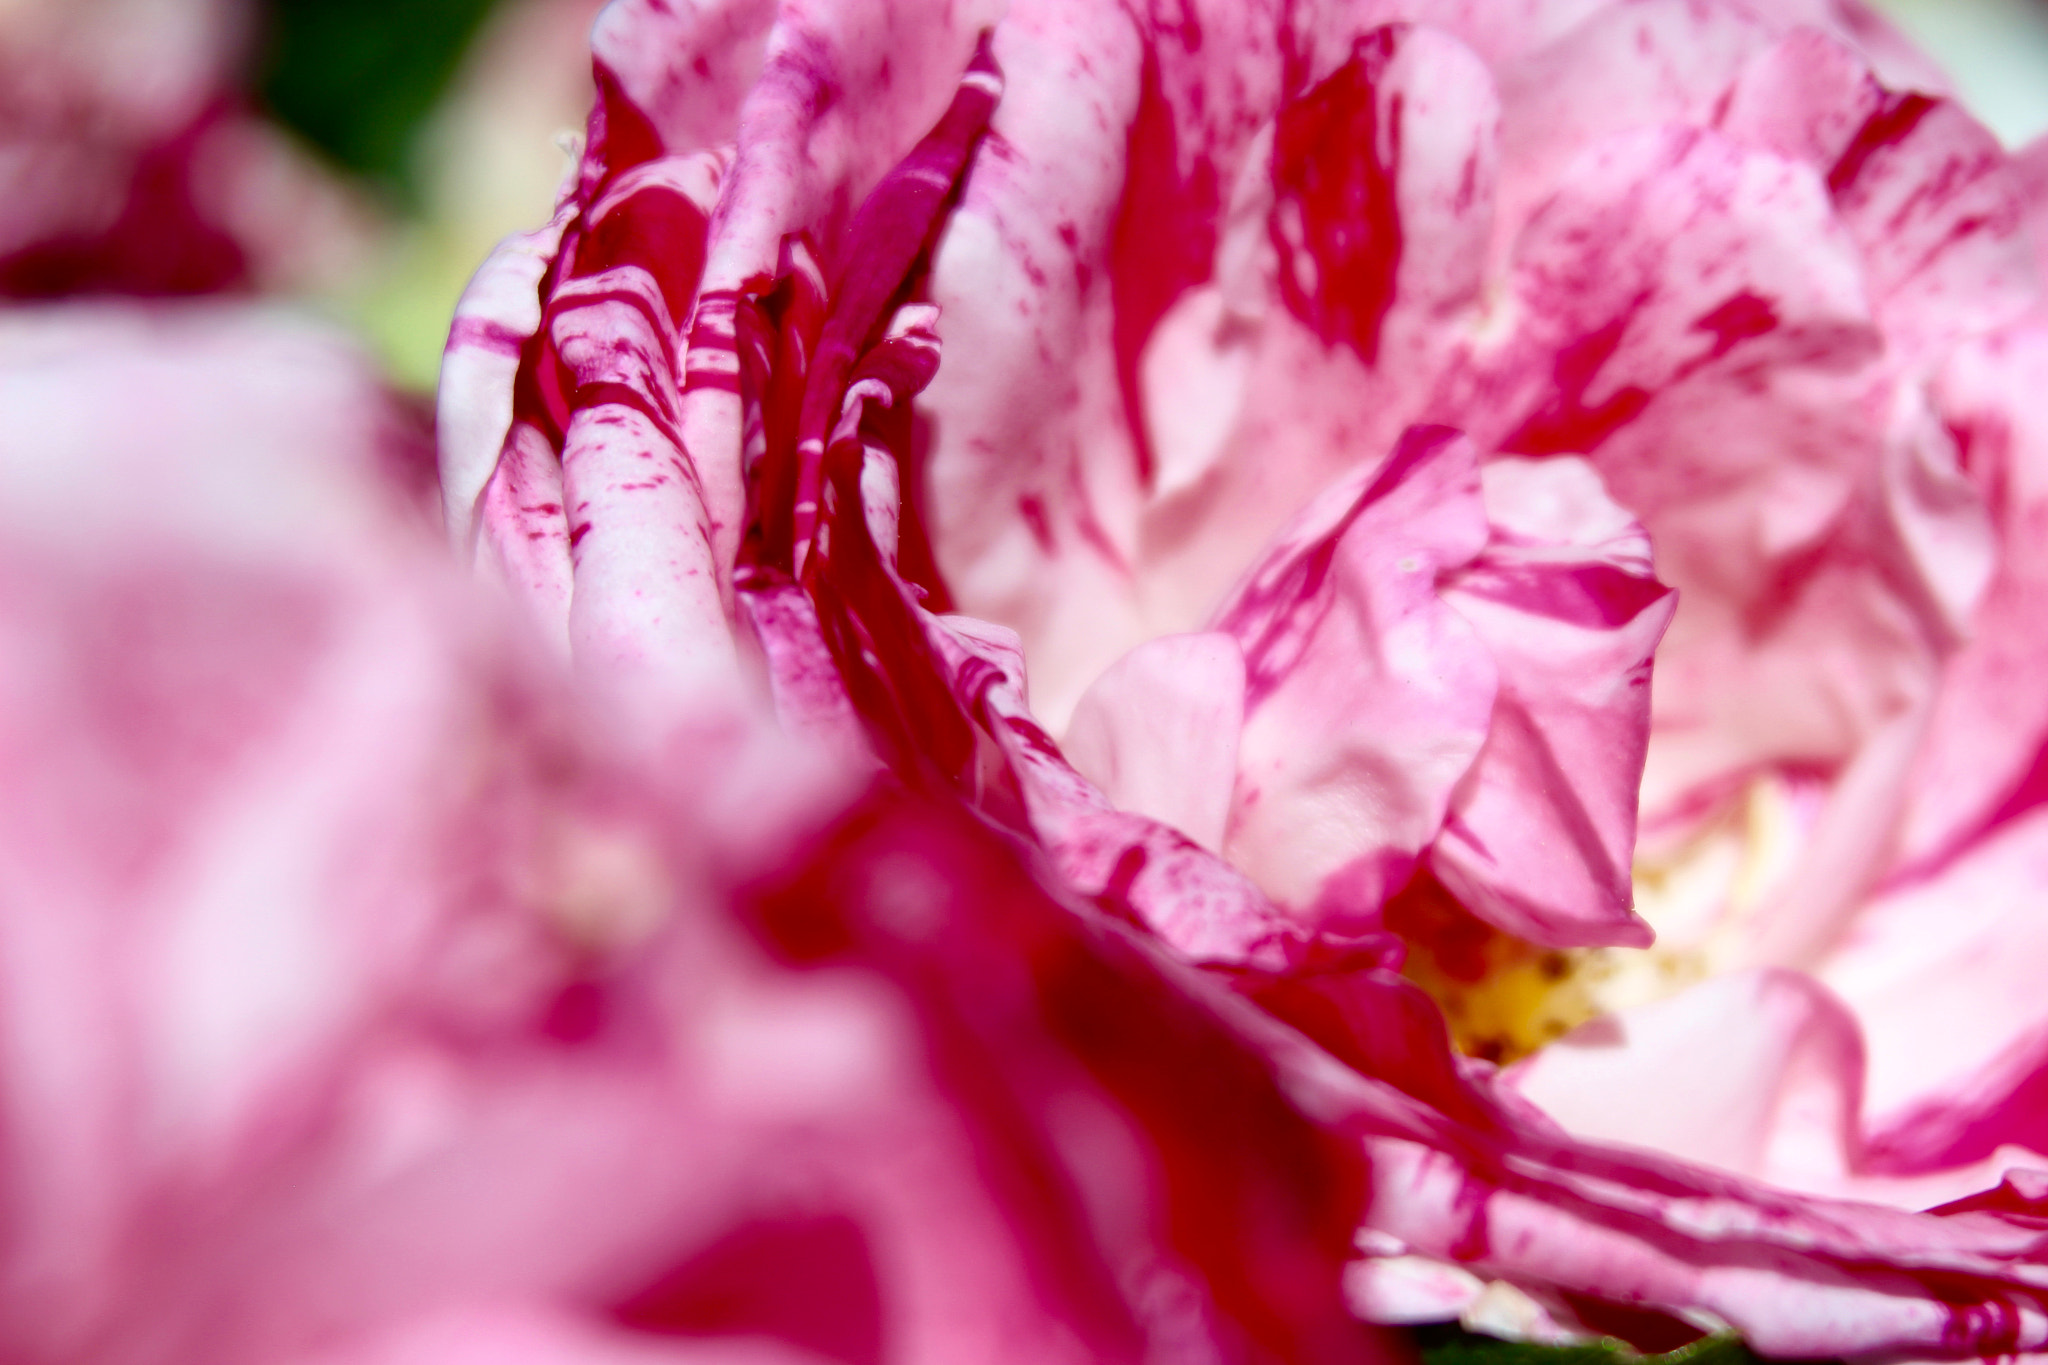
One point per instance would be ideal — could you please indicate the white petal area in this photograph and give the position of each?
(1945, 974)
(1756, 1072)
(1158, 732)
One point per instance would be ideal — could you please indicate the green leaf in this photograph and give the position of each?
(355, 77)
(1450, 1344)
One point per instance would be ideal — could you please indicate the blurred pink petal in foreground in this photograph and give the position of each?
(130, 164)
(368, 1001)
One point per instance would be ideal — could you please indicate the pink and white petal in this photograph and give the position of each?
(1158, 732)
(1032, 476)
(1541, 834)
(1730, 400)
(1367, 696)
(523, 527)
(1469, 1173)
(2030, 171)
(1503, 33)
(808, 694)
(1842, 854)
(683, 73)
(1928, 196)
(1792, 1275)
(1196, 413)
(1945, 545)
(1805, 97)
(1935, 551)
(654, 215)
(1342, 286)
(1196, 902)
(1650, 64)
(1396, 1288)
(1809, 677)
(1898, 61)
(839, 94)
(822, 100)
(1952, 1145)
(1659, 255)
(892, 229)
(498, 313)
(647, 601)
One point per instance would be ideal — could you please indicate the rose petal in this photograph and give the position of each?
(1926, 192)
(1728, 400)
(1936, 971)
(1539, 838)
(1758, 1072)
(495, 318)
(1626, 68)
(522, 521)
(1466, 1173)
(1991, 719)
(1158, 732)
(1367, 696)
(1194, 412)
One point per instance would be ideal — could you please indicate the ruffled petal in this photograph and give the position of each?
(1626, 68)
(1367, 696)
(1714, 357)
(1539, 838)
(1928, 196)
(1199, 396)
(495, 319)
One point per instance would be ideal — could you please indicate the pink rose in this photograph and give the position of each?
(1297, 371)
(703, 949)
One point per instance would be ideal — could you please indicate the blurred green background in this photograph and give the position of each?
(450, 123)
(357, 77)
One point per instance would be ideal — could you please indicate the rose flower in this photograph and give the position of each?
(705, 948)
(1315, 386)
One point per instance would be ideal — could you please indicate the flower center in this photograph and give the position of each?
(1698, 887)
